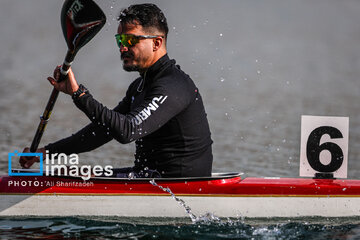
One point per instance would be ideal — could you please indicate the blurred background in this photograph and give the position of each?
(259, 66)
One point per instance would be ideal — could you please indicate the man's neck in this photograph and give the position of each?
(159, 55)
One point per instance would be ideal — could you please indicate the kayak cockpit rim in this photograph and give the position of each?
(214, 176)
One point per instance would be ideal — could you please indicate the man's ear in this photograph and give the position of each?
(158, 42)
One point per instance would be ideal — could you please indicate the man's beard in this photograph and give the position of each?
(129, 68)
(132, 68)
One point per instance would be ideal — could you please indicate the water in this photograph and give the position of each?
(259, 65)
(206, 218)
(153, 228)
(179, 200)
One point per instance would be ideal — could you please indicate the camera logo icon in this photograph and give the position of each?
(16, 154)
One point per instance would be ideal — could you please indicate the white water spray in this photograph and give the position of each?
(208, 217)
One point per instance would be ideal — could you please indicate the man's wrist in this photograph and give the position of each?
(80, 92)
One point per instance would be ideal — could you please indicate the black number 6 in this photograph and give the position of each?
(313, 149)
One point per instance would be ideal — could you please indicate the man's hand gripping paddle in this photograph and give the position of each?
(81, 20)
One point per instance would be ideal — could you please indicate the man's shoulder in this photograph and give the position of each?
(175, 69)
(174, 76)
(176, 84)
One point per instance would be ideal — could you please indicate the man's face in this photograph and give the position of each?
(139, 56)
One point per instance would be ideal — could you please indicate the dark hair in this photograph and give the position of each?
(148, 15)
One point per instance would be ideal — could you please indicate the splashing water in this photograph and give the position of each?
(180, 201)
(153, 228)
(207, 218)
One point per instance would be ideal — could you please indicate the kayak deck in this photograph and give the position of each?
(226, 195)
(219, 184)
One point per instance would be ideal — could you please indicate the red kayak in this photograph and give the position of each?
(224, 195)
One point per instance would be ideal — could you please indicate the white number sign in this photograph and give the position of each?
(324, 146)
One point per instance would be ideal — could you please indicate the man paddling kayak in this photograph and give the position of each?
(162, 111)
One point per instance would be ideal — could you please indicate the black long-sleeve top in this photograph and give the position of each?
(163, 112)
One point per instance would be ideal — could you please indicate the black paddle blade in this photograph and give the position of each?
(81, 20)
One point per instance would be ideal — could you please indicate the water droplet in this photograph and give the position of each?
(221, 34)
(199, 189)
(131, 176)
(284, 140)
(222, 79)
(344, 189)
(174, 28)
(258, 71)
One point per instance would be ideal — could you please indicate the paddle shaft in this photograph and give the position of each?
(50, 105)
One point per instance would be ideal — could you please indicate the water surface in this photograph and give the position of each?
(153, 228)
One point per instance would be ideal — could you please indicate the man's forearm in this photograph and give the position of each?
(87, 139)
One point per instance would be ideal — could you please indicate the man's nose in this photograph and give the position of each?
(123, 48)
